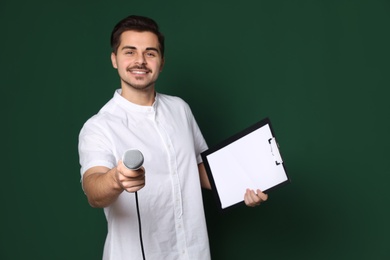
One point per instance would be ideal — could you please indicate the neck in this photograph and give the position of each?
(142, 97)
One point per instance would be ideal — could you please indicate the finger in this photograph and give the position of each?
(134, 189)
(129, 172)
(133, 186)
(246, 198)
(130, 180)
(133, 174)
(122, 178)
(249, 198)
(262, 195)
(256, 199)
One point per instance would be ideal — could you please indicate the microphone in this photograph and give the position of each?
(133, 159)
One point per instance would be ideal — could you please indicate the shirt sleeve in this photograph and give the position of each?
(199, 141)
(94, 148)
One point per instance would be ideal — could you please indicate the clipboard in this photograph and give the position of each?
(249, 159)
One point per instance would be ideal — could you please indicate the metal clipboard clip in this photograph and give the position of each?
(275, 150)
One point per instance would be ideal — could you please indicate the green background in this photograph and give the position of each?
(318, 69)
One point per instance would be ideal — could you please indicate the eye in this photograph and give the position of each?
(151, 54)
(129, 52)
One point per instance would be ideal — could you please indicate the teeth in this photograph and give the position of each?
(138, 72)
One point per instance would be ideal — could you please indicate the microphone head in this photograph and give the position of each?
(133, 159)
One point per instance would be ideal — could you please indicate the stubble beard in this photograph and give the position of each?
(141, 87)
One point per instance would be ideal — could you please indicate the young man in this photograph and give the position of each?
(162, 127)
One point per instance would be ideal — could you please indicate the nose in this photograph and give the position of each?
(140, 59)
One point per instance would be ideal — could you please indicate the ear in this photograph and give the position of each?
(113, 60)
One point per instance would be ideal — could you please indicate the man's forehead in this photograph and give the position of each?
(139, 38)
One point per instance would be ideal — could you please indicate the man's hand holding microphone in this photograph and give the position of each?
(130, 174)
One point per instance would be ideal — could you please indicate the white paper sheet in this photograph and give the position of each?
(249, 162)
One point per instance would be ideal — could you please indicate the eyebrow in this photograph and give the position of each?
(148, 49)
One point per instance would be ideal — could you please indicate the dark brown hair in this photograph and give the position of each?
(139, 24)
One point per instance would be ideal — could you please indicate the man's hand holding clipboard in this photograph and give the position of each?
(244, 163)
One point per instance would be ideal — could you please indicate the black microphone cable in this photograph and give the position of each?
(139, 225)
(133, 160)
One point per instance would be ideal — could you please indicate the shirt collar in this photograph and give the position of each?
(132, 106)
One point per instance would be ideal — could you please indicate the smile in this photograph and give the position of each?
(138, 72)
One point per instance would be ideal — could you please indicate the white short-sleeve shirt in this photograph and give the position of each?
(171, 207)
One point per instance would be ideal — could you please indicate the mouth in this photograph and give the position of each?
(139, 71)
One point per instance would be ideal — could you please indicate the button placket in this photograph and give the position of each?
(177, 195)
